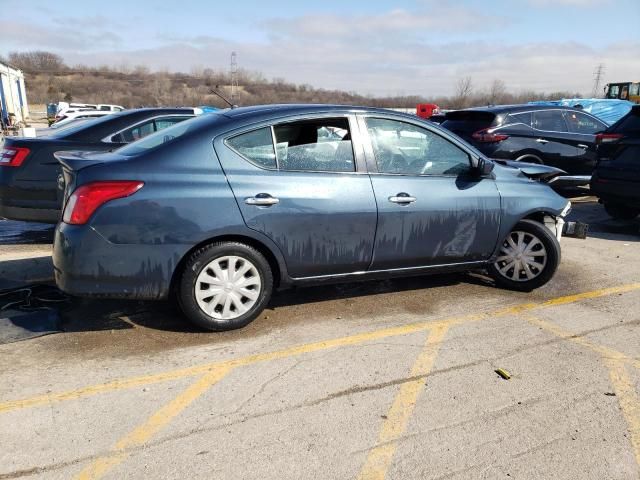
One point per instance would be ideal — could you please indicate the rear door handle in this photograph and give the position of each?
(402, 198)
(582, 145)
(542, 140)
(262, 200)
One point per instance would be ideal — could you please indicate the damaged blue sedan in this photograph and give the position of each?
(219, 211)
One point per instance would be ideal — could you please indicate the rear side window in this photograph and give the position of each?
(579, 122)
(255, 146)
(319, 145)
(523, 118)
(549, 120)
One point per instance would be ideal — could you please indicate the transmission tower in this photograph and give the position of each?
(234, 77)
(597, 80)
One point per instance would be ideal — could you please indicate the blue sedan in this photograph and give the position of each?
(220, 210)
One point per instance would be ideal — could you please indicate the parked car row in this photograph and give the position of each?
(29, 172)
(552, 135)
(218, 211)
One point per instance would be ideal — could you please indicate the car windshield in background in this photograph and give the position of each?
(468, 121)
(163, 136)
(78, 126)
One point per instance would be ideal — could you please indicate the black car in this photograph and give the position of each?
(29, 172)
(562, 137)
(616, 179)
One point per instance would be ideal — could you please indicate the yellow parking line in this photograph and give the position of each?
(629, 401)
(606, 352)
(379, 458)
(130, 382)
(157, 421)
(616, 364)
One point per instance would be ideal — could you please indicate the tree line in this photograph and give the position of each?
(50, 79)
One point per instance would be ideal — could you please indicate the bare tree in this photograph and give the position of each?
(463, 91)
(37, 61)
(497, 92)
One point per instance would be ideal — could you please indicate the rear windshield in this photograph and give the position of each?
(165, 135)
(629, 123)
(79, 126)
(468, 121)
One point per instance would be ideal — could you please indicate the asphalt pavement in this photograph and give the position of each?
(392, 379)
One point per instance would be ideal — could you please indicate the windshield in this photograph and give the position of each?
(76, 126)
(165, 135)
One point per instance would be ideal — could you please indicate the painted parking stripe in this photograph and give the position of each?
(380, 457)
(616, 363)
(130, 382)
(156, 422)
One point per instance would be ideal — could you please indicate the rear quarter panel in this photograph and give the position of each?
(185, 201)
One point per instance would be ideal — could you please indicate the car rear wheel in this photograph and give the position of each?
(620, 212)
(225, 286)
(528, 257)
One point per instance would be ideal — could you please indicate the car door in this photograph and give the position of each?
(432, 209)
(311, 195)
(582, 131)
(557, 145)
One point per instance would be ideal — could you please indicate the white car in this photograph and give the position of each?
(74, 114)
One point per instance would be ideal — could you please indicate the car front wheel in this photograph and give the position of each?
(225, 286)
(528, 257)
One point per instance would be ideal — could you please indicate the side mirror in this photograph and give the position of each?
(484, 167)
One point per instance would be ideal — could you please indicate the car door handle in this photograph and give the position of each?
(262, 200)
(542, 140)
(582, 145)
(402, 198)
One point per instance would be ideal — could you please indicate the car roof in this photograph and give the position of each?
(300, 108)
(524, 107)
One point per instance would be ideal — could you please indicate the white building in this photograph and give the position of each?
(13, 96)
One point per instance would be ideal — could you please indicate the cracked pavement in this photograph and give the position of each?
(348, 381)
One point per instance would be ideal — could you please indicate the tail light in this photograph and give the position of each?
(13, 156)
(602, 138)
(86, 199)
(488, 136)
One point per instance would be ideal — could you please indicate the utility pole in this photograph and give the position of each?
(597, 80)
(234, 77)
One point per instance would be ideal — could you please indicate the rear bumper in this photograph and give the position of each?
(29, 214)
(87, 265)
(30, 201)
(616, 191)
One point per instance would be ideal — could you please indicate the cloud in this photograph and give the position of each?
(82, 32)
(568, 3)
(398, 52)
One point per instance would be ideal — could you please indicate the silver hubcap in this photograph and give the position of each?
(228, 287)
(522, 257)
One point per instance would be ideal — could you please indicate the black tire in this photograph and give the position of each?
(553, 253)
(621, 212)
(194, 265)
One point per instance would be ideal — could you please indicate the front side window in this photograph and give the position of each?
(319, 145)
(256, 146)
(580, 123)
(403, 148)
(549, 120)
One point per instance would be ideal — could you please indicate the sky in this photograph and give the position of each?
(407, 47)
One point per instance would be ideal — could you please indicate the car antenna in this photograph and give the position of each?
(215, 92)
